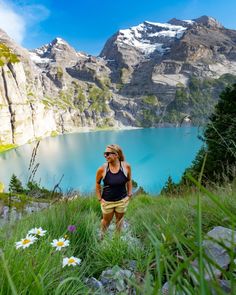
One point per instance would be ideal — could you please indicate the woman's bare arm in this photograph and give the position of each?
(129, 183)
(99, 176)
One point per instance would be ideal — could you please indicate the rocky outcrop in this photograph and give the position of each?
(152, 74)
(171, 48)
(216, 247)
(44, 92)
(112, 281)
(219, 248)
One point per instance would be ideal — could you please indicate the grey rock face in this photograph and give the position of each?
(40, 95)
(112, 281)
(115, 280)
(208, 21)
(156, 59)
(224, 285)
(216, 246)
(94, 283)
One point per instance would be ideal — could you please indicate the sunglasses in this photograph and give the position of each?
(106, 154)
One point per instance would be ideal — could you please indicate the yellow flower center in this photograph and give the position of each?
(38, 232)
(26, 241)
(71, 260)
(60, 244)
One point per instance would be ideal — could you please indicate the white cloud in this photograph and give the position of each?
(34, 14)
(11, 22)
(15, 20)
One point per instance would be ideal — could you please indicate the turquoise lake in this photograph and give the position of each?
(154, 154)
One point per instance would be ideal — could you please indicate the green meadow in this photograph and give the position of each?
(164, 237)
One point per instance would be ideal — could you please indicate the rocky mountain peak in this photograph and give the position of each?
(56, 51)
(208, 21)
(145, 38)
(59, 40)
(183, 23)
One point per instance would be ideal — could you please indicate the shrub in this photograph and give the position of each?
(15, 185)
(6, 56)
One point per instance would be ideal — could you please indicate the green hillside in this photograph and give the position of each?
(162, 238)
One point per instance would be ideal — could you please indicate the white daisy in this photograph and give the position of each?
(37, 231)
(61, 243)
(26, 242)
(71, 261)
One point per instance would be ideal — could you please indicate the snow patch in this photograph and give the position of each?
(37, 59)
(80, 54)
(188, 21)
(60, 41)
(164, 25)
(143, 37)
(126, 37)
(170, 34)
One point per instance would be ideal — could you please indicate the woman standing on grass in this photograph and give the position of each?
(116, 192)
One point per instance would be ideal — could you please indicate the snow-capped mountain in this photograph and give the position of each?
(180, 47)
(56, 51)
(149, 37)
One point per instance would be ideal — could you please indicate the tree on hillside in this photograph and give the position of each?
(220, 136)
(170, 188)
(15, 185)
(220, 141)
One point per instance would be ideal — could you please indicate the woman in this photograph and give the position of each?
(117, 187)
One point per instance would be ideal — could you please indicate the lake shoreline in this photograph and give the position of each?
(154, 154)
(7, 147)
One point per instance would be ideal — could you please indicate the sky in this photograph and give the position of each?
(87, 24)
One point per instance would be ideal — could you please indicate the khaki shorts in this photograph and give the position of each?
(118, 206)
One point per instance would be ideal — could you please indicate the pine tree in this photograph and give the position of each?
(220, 142)
(169, 188)
(15, 185)
(220, 137)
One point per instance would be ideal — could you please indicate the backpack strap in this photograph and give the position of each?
(123, 169)
(106, 169)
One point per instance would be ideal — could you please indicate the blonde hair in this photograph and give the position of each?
(116, 148)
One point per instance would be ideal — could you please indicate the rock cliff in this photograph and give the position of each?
(152, 74)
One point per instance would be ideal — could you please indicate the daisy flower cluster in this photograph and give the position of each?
(33, 235)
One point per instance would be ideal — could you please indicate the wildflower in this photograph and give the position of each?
(71, 261)
(71, 228)
(61, 243)
(26, 242)
(65, 236)
(37, 231)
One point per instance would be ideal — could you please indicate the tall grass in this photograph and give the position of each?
(169, 231)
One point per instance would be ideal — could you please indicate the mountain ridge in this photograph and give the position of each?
(149, 75)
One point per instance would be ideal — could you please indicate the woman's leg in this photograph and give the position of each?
(119, 221)
(106, 220)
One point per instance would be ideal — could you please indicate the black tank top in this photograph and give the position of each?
(114, 188)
